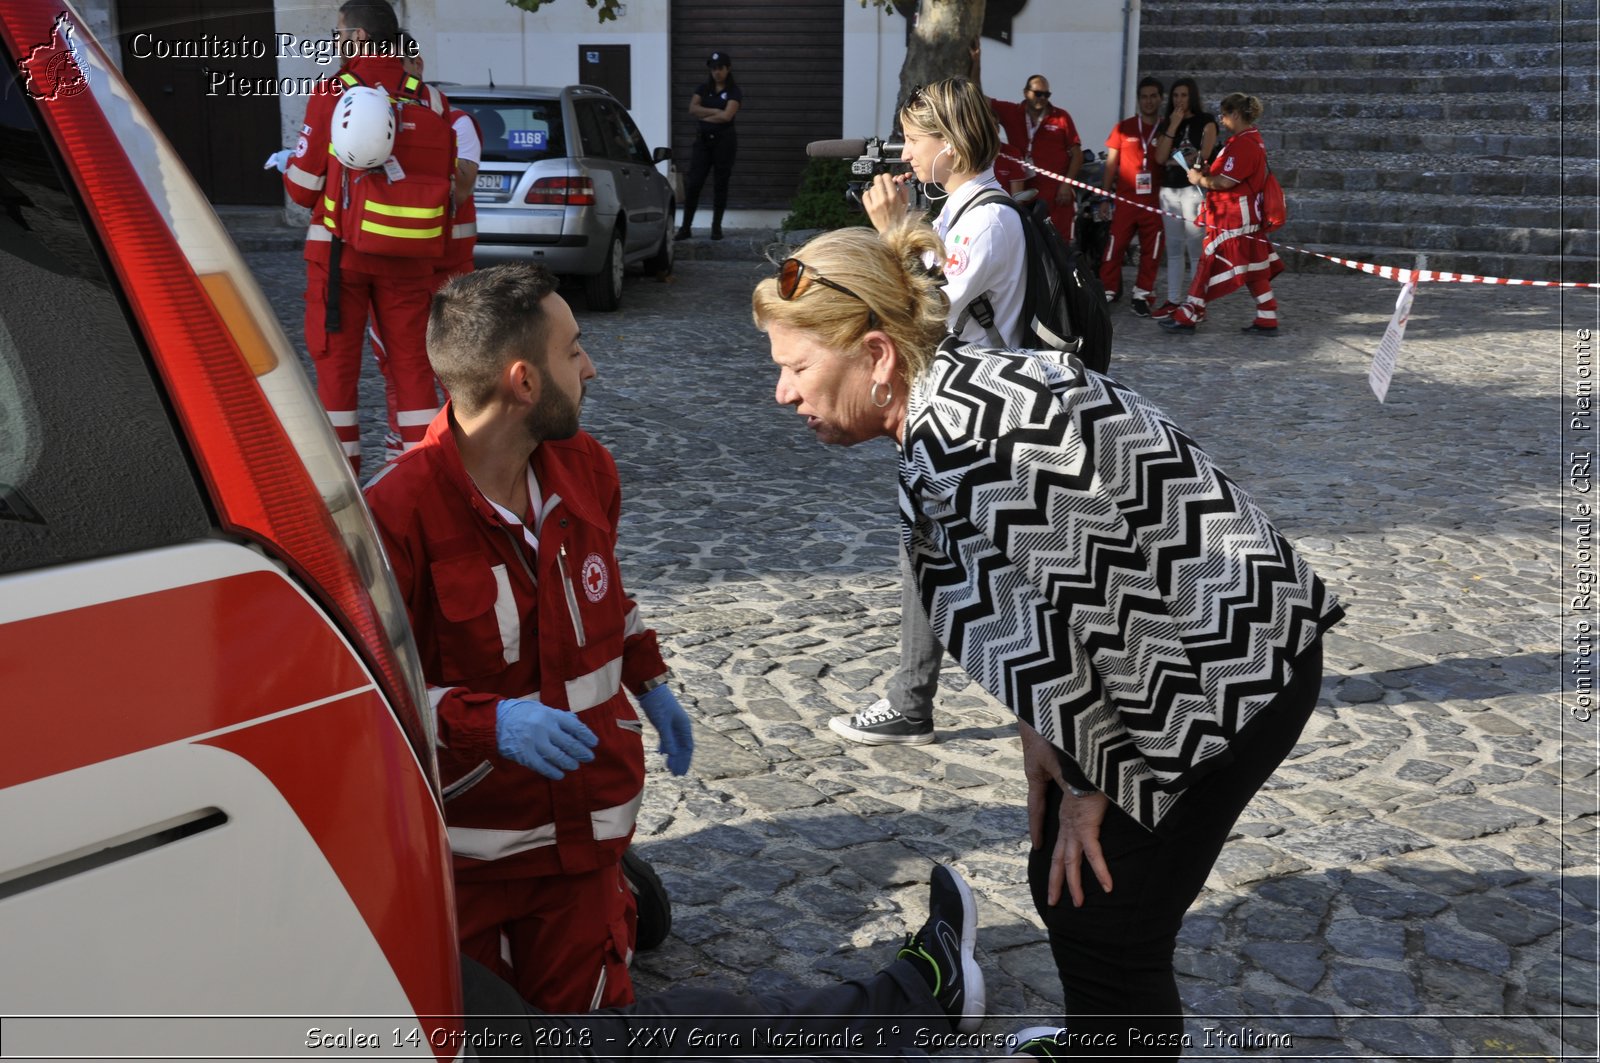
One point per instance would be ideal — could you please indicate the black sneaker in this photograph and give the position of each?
(881, 725)
(716, 232)
(653, 906)
(1039, 1042)
(945, 945)
(683, 234)
(1139, 307)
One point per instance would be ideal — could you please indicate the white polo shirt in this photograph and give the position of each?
(985, 254)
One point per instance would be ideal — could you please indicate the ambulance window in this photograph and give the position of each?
(89, 462)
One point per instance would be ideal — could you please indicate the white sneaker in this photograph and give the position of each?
(879, 724)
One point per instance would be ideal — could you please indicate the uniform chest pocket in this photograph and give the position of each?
(479, 630)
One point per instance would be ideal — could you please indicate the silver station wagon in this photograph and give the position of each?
(568, 181)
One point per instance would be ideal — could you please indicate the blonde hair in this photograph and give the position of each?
(886, 270)
(1247, 107)
(956, 111)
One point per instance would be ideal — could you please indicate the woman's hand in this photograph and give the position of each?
(1079, 836)
(886, 201)
(1079, 840)
(1196, 175)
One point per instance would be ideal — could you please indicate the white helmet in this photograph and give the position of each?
(363, 128)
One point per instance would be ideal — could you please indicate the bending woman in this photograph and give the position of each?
(1158, 639)
(1232, 257)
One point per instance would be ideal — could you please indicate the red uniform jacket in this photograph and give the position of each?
(1232, 210)
(494, 619)
(1132, 140)
(312, 176)
(1053, 141)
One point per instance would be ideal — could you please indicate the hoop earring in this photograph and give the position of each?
(888, 395)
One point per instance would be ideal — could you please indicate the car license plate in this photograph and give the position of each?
(493, 182)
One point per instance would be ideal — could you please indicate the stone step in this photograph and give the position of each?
(1270, 85)
(1470, 107)
(1552, 212)
(1299, 13)
(1181, 37)
(1245, 63)
(1412, 138)
(1431, 174)
(1482, 263)
(1433, 237)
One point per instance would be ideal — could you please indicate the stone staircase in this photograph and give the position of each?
(1460, 129)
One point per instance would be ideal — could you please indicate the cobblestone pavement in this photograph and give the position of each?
(1418, 880)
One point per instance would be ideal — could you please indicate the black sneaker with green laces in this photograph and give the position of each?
(942, 951)
(1039, 1042)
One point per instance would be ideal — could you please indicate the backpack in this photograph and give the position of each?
(1064, 307)
(1274, 212)
(403, 209)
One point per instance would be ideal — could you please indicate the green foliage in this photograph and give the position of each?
(606, 9)
(819, 203)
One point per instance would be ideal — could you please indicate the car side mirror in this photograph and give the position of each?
(661, 155)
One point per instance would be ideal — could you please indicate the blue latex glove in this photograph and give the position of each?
(278, 160)
(672, 724)
(549, 741)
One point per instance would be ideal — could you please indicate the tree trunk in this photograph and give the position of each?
(942, 33)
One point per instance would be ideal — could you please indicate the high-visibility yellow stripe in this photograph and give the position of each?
(328, 204)
(330, 223)
(350, 79)
(404, 212)
(404, 234)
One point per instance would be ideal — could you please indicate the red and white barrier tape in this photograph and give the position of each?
(1394, 273)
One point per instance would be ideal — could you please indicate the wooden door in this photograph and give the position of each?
(222, 130)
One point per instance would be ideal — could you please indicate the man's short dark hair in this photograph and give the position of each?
(1150, 81)
(377, 17)
(482, 321)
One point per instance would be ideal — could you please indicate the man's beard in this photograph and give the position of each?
(554, 416)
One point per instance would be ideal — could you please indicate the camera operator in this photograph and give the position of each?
(951, 140)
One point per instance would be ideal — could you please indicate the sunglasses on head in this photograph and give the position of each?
(795, 276)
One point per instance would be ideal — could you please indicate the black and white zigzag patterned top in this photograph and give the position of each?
(1089, 566)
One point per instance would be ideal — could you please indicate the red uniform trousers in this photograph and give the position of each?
(1125, 220)
(398, 309)
(575, 917)
(397, 441)
(1061, 214)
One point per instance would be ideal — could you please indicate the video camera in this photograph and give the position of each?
(868, 158)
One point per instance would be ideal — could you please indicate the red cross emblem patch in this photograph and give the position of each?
(595, 577)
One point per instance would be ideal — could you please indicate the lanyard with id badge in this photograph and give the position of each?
(1143, 182)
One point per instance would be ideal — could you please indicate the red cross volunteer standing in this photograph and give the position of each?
(374, 162)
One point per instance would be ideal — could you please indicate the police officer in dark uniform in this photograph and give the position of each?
(714, 105)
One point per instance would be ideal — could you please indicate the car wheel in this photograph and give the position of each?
(604, 289)
(660, 263)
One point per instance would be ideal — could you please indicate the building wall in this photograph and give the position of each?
(1079, 46)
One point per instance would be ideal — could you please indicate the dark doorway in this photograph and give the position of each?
(788, 59)
(609, 67)
(222, 131)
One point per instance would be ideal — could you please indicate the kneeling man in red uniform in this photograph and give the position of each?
(501, 526)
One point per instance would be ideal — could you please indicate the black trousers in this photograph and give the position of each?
(713, 152)
(1114, 954)
(892, 1014)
